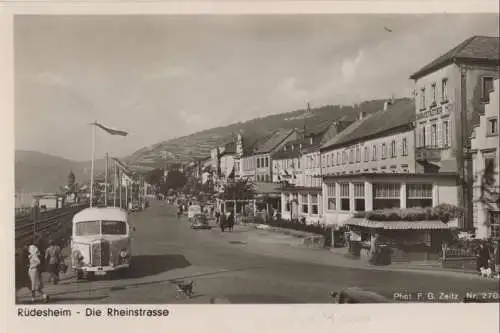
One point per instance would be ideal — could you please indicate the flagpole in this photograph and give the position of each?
(106, 182)
(92, 165)
(115, 178)
(120, 185)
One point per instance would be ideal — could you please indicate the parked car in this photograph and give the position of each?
(200, 222)
(193, 210)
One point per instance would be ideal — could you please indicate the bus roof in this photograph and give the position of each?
(101, 213)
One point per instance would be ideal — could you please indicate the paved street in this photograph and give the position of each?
(243, 266)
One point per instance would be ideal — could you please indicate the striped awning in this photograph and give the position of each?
(398, 225)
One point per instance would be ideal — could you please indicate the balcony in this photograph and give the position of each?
(428, 154)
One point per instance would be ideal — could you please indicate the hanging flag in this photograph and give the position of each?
(110, 130)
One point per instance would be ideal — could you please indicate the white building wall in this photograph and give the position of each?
(485, 145)
(402, 162)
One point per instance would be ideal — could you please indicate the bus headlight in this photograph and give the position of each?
(123, 254)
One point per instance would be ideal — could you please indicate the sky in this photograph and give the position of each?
(164, 76)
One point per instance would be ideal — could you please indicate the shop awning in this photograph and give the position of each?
(398, 225)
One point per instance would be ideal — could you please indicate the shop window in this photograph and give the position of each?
(386, 196)
(304, 204)
(494, 222)
(418, 195)
(344, 197)
(331, 196)
(314, 204)
(359, 197)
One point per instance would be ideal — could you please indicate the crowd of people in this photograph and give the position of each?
(42, 255)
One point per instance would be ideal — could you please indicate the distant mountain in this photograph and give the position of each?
(198, 145)
(39, 172)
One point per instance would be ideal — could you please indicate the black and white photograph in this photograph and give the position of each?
(256, 159)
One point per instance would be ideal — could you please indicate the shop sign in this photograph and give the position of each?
(435, 111)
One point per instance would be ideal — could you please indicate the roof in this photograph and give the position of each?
(229, 148)
(272, 141)
(399, 114)
(266, 188)
(397, 225)
(101, 213)
(476, 48)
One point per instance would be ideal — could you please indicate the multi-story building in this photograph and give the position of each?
(370, 165)
(256, 164)
(451, 92)
(485, 145)
(298, 167)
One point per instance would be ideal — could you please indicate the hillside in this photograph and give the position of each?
(198, 145)
(39, 172)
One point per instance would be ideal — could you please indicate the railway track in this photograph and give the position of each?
(25, 227)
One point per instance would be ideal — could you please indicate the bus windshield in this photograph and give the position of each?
(87, 228)
(114, 228)
(96, 228)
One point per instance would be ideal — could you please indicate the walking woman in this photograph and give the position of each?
(34, 272)
(53, 258)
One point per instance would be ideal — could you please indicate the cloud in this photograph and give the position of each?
(52, 79)
(169, 72)
(350, 66)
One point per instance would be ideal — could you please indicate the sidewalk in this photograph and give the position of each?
(275, 243)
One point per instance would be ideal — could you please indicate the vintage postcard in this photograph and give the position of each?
(218, 159)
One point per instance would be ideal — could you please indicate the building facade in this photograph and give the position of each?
(300, 174)
(370, 166)
(485, 146)
(451, 93)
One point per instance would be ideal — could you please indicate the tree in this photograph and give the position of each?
(240, 189)
(154, 177)
(489, 193)
(175, 180)
(71, 182)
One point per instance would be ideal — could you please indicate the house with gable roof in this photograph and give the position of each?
(296, 166)
(451, 93)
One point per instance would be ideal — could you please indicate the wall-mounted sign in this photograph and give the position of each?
(435, 111)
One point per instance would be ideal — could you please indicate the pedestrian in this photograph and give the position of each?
(222, 222)
(483, 256)
(496, 258)
(374, 248)
(34, 272)
(230, 221)
(53, 258)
